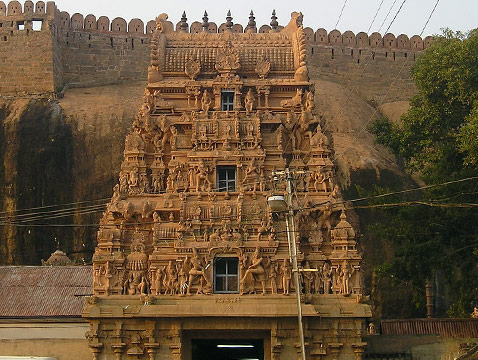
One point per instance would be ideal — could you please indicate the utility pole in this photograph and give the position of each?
(291, 236)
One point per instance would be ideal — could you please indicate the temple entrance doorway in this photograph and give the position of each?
(227, 344)
(227, 349)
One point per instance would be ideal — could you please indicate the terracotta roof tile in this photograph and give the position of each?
(42, 291)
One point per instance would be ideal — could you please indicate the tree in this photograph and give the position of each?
(436, 232)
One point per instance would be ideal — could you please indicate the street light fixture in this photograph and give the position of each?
(278, 204)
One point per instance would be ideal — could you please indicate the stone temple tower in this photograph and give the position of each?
(191, 263)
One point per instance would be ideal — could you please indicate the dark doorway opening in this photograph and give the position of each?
(214, 349)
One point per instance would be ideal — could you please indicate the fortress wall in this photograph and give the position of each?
(93, 59)
(376, 75)
(83, 51)
(26, 56)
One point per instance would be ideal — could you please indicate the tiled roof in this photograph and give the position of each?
(448, 328)
(43, 291)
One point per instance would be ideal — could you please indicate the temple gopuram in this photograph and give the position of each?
(191, 261)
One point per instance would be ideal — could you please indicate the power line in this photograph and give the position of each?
(341, 12)
(390, 87)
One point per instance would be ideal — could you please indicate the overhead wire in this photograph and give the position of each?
(355, 137)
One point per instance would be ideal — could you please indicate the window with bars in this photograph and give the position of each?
(226, 275)
(227, 100)
(226, 178)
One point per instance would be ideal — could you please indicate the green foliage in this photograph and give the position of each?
(438, 141)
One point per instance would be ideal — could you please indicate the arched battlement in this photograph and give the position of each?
(90, 22)
(103, 24)
(222, 28)
(309, 34)
(195, 28)
(118, 25)
(427, 41)
(28, 7)
(77, 21)
(361, 39)
(40, 7)
(237, 28)
(150, 26)
(375, 40)
(136, 26)
(212, 27)
(14, 8)
(416, 42)
(321, 36)
(264, 29)
(389, 41)
(335, 37)
(64, 20)
(403, 42)
(348, 38)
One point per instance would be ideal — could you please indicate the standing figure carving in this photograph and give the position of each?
(198, 271)
(286, 276)
(205, 101)
(249, 101)
(202, 178)
(326, 277)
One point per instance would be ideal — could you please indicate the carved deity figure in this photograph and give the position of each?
(205, 101)
(133, 181)
(197, 271)
(165, 127)
(172, 278)
(319, 181)
(252, 177)
(123, 182)
(326, 277)
(136, 281)
(202, 178)
(273, 278)
(309, 101)
(174, 137)
(293, 130)
(307, 278)
(249, 101)
(345, 275)
(286, 277)
(257, 272)
(159, 280)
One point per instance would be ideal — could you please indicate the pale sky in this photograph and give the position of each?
(357, 14)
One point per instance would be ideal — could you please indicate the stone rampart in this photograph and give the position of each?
(46, 49)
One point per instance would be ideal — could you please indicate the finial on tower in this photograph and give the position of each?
(183, 25)
(274, 23)
(205, 22)
(229, 21)
(252, 20)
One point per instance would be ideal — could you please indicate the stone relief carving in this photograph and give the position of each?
(192, 68)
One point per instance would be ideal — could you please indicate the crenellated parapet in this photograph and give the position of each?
(102, 24)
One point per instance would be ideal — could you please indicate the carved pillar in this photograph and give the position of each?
(217, 98)
(238, 99)
(118, 348)
(93, 336)
(359, 349)
(96, 348)
(276, 344)
(267, 91)
(175, 344)
(334, 349)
